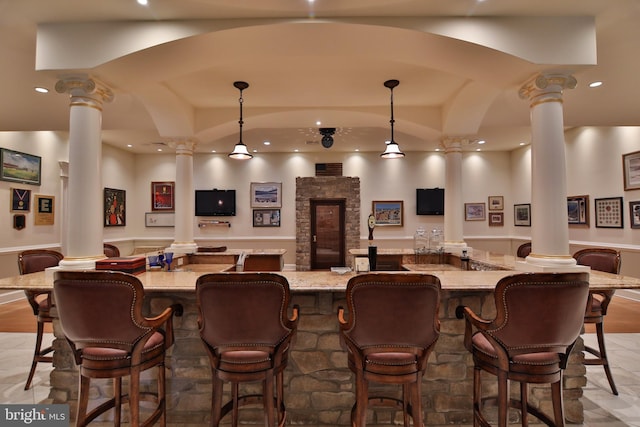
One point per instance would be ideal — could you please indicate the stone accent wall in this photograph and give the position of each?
(326, 187)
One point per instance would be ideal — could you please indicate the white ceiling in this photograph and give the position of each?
(321, 61)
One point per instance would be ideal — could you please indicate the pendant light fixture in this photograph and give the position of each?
(240, 151)
(393, 150)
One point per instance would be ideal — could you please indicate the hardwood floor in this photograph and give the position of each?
(17, 316)
(623, 317)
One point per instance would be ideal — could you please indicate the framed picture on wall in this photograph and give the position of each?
(496, 219)
(609, 212)
(388, 213)
(115, 213)
(474, 212)
(578, 210)
(496, 203)
(163, 196)
(634, 214)
(266, 194)
(631, 169)
(20, 167)
(45, 208)
(266, 217)
(522, 215)
(20, 200)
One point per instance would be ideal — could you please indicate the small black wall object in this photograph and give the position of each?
(19, 221)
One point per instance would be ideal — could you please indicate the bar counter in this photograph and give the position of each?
(319, 387)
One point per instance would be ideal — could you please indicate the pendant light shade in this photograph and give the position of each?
(240, 151)
(393, 150)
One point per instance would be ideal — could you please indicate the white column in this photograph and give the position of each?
(85, 195)
(453, 211)
(549, 219)
(64, 178)
(185, 198)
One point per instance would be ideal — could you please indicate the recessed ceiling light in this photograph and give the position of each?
(482, 141)
(437, 149)
(595, 84)
(40, 89)
(296, 150)
(357, 149)
(129, 145)
(143, 2)
(523, 143)
(159, 149)
(478, 149)
(267, 143)
(318, 123)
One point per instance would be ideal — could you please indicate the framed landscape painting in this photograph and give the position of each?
(474, 212)
(266, 194)
(388, 213)
(20, 167)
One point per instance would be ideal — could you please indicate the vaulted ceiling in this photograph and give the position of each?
(171, 66)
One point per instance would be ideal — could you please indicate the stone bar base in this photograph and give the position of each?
(319, 388)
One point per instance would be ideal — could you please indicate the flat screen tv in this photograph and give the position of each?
(430, 201)
(215, 202)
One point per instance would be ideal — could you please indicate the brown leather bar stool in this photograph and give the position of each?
(391, 329)
(538, 319)
(111, 251)
(101, 317)
(524, 250)
(32, 261)
(245, 327)
(607, 260)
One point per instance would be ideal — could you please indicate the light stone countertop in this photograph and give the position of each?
(184, 279)
(247, 252)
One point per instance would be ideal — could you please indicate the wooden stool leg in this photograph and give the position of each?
(503, 399)
(603, 356)
(524, 404)
(83, 401)
(162, 393)
(216, 407)
(558, 405)
(134, 397)
(416, 405)
(117, 396)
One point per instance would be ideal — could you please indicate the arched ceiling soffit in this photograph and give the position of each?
(447, 83)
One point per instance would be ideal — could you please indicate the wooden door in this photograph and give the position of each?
(327, 234)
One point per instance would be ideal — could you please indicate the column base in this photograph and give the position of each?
(457, 248)
(182, 248)
(549, 264)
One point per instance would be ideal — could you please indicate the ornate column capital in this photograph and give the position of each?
(84, 90)
(183, 145)
(546, 87)
(453, 144)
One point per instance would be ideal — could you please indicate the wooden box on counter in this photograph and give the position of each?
(133, 265)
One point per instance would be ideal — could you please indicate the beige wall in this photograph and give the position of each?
(594, 165)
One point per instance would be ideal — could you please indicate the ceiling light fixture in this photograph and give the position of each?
(240, 151)
(393, 150)
(595, 84)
